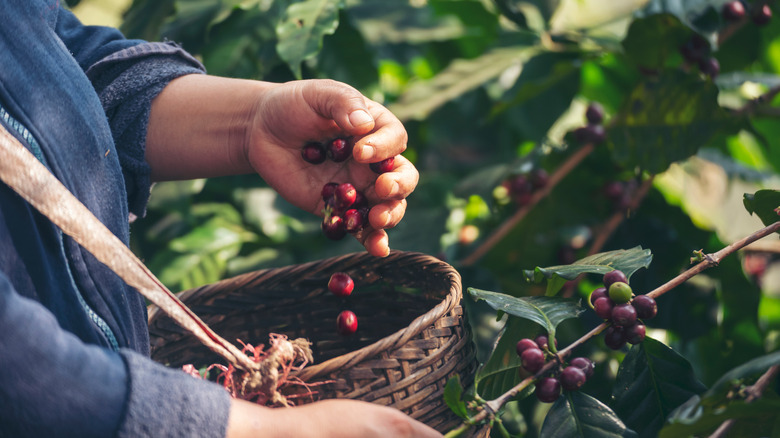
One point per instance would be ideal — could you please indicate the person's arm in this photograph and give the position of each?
(202, 126)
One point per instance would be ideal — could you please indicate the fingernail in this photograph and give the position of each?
(359, 118)
(366, 152)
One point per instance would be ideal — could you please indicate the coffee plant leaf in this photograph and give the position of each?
(145, 18)
(453, 392)
(652, 381)
(747, 370)
(548, 312)
(667, 119)
(651, 41)
(304, 26)
(765, 204)
(694, 420)
(501, 371)
(578, 415)
(626, 260)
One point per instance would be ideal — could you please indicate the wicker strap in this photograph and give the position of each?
(27, 176)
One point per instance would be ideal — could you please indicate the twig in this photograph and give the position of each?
(609, 227)
(754, 391)
(753, 105)
(511, 222)
(709, 261)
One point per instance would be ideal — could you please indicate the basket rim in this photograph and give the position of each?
(388, 343)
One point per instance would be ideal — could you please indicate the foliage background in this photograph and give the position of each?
(487, 89)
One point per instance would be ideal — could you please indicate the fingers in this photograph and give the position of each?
(400, 182)
(388, 138)
(341, 103)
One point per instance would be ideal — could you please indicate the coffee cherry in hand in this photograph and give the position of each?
(313, 152)
(383, 166)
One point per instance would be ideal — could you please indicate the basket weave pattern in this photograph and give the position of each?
(404, 368)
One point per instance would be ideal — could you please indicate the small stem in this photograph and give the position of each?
(511, 222)
(752, 106)
(618, 217)
(754, 392)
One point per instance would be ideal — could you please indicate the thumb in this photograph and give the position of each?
(339, 102)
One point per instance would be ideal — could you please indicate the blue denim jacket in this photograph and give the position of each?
(73, 337)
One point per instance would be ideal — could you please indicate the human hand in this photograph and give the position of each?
(291, 114)
(329, 418)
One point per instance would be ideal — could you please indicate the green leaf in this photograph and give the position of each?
(502, 369)
(548, 312)
(761, 414)
(576, 414)
(626, 260)
(460, 77)
(301, 31)
(666, 120)
(765, 204)
(651, 41)
(748, 369)
(453, 391)
(652, 381)
(145, 18)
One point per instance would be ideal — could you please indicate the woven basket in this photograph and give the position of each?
(405, 369)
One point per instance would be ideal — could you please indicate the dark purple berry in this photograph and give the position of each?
(614, 337)
(645, 306)
(333, 227)
(345, 195)
(339, 150)
(603, 307)
(594, 113)
(695, 49)
(762, 15)
(539, 178)
(710, 67)
(590, 134)
(519, 184)
(733, 11)
(383, 166)
(572, 378)
(532, 359)
(548, 389)
(598, 293)
(525, 344)
(313, 153)
(585, 364)
(328, 190)
(624, 315)
(353, 220)
(341, 284)
(635, 334)
(614, 276)
(543, 342)
(613, 190)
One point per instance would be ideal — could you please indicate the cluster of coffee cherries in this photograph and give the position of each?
(341, 285)
(519, 188)
(594, 131)
(620, 193)
(615, 302)
(735, 11)
(346, 209)
(534, 353)
(697, 51)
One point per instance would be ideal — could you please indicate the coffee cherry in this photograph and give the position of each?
(603, 307)
(539, 178)
(525, 344)
(548, 389)
(762, 15)
(594, 113)
(614, 276)
(614, 338)
(333, 227)
(695, 49)
(353, 220)
(613, 190)
(360, 200)
(383, 166)
(635, 334)
(733, 11)
(339, 150)
(313, 152)
(345, 195)
(543, 342)
(620, 293)
(341, 284)
(645, 306)
(710, 67)
(532, 359)
(346, 323)
(586, 365)
(598, 293)
(328, 190)
(590, 134)
(624, 315)
(572, 378)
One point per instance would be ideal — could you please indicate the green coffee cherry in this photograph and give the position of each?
(620, 293)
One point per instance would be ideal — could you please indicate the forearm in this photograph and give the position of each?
(198, 127)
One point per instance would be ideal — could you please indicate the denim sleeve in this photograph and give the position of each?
(52, 384)
(126, 74)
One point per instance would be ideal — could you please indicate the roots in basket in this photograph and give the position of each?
(266, 385)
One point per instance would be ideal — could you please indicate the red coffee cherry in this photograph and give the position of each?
(572, 378)
(333, 227)
(341, 284)
(353, 220)
(548, 389)
(585, 364)
(603, 307)
(624, 315)
(339, 150)
(598, 293)
(328, 190)
(344, 196)
(635, 334)
(386, 165)
(525, 344)
(614, 337)
(346, 323)
(612, 277)
(645, 306)
(313, 152)
(532, 360)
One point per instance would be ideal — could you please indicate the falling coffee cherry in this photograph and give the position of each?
(346, 323)
(341, 284)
